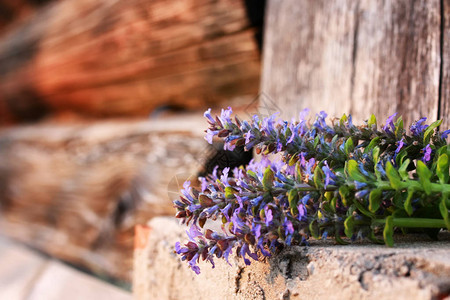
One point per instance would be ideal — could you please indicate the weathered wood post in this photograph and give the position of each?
(359, 57)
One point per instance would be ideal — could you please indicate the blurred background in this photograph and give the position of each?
(101, 101)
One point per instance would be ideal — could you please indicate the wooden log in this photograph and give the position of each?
(109, 58)
(76, 191)
(357, 57)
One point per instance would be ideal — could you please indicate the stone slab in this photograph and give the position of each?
(413, 269)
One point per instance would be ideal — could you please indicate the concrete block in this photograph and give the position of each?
(415, 268)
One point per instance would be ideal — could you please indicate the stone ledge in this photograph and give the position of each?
(411, 270)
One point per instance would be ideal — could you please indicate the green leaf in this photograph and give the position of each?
(268, 179)
(374, 200)
(252, 174)
(293, 159)
(349, 225)
(401, 156)
(424, 176)
(316, 141)
(229, 192)
(363, 210)
(298, 169)
(399, 127)
(314, 229)
(388, 232)
(373, 143)
(344, 193)
(408, 205)
(403, 170)
(262, 214)
(372, 122)
(343, 119)
(318, 177)
(353, 171)
(429, 131)
(444, 210)
(376, 155)
(442, 168)
(328, 196)
(293, 201)
(393, 176)
(349, 147)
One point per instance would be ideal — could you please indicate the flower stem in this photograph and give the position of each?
(414, 222)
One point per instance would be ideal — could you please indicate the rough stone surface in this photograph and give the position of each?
(418, 269)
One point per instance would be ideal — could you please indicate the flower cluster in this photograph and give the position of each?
(340, 180)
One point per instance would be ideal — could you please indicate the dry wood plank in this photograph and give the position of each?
(106, 58)
(76, 191)
(357, 57)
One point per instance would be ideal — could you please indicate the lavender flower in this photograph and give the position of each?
(323, 182)
(390, 124)
(418, 127)
(427, 153)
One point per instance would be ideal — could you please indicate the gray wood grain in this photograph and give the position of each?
(445, 79)
(357, 57)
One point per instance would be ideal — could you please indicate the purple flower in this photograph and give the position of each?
(445, 134)
(256, 230)
(204, 183)
(186, 191)
(268, 124)
(400, 144)
(417, 128)
(227, 252)
(193, 264)
(329, 176)
(381, 169)
(237, 222)
(225, 211)
(210, 134)
(248, 136)
(193, 232)
(225, 116)
(301, 212)
(390, 123)
(360, 185)
(289, 227)
(293, 130)
(269, 216)
(320, 120)
(228, 146)
(246, 250)
(427, 153)
(305, 199)
(303, 114)
(361, 194)
(207, 115)
(224, 176)
(179, 249)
